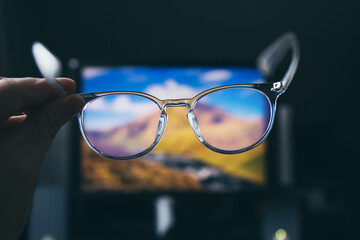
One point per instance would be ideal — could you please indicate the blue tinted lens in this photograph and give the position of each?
(233, 119)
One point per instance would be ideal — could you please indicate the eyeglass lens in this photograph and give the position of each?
(233, 119)
(121, 125)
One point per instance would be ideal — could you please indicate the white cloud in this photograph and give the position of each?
(114, 112)
(98, 105)
(92, 72)
(123, 104)
(259, 80)
(219, 75)
(171, 90)
(104, 124)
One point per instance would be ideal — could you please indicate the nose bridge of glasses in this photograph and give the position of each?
(190, 115)
(185, 102)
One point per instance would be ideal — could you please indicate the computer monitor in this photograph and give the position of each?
(209, 189)
(180, 163)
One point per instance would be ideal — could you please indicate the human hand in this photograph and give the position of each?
(25, 139)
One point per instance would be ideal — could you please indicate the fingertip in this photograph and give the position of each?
(78, 101)
(74, 103)
(68, 84)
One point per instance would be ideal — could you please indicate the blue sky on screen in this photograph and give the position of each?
(169, 83)
(147, 79)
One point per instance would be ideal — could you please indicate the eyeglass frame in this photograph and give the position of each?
(264, 88)
(266, 62)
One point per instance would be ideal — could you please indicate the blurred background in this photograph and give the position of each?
(321, 201)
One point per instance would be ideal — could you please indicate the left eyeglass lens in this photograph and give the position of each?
(121, 125)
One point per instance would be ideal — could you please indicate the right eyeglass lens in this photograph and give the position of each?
(121, 125)
(233, 119)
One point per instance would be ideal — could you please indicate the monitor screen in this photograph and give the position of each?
(179, 163)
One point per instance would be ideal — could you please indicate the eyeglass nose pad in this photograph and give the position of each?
(194, 125)
(161, 126)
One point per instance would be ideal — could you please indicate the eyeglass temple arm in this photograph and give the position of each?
(271, 56)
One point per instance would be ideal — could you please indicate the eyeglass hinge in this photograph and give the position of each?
(277, 86)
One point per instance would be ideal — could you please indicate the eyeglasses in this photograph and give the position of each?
(229, 119)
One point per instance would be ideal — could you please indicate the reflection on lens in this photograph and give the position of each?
(121, 125)
(233, 119)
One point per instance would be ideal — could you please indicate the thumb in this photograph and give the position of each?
(42, 125)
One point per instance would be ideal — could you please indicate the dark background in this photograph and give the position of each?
(324, 94)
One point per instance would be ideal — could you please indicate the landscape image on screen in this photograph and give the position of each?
(179, 162)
